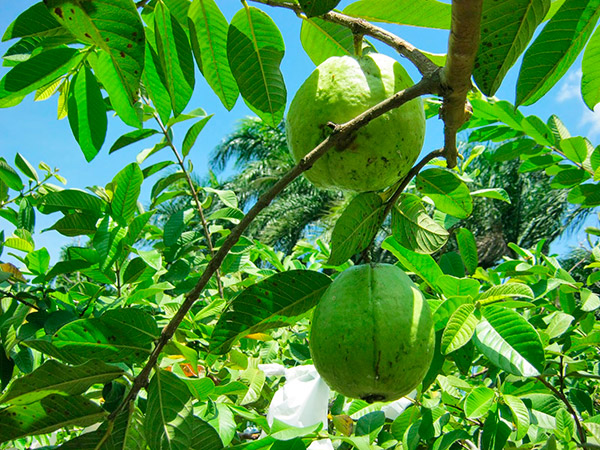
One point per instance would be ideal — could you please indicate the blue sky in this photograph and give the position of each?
(32, 129)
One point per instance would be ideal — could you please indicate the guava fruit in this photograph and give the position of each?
(372, 334)
(337, 91)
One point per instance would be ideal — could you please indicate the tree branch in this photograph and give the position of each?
(361, 26)
(18, 299)
(339, 138)
(565, 400)
(456, 74)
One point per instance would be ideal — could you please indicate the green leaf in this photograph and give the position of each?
(273, 302)
(467, 248)
(34, 21)
(317, 7)
(37, 71)
(122, 37)
(165, 182)
(510, 342)
(460, 328)
(322, 40)
(51, 413)
(446, 440)
(175, 58)
(506, 29)
(565, 425)
(291, 444)
(369, 423)
(152, 78)
(76, 224)
(450, 194)
(425, 13)
(414, 229)
(118, 335)
(255, 380)
(87, 113)
(130, 138)
(38, 261)
(53, 377)
(228, 198)
(71, 200)
(120, 97)
(255, 49)
(495, 193)
(208, 33)
(587, 195)
(25, 167)
(590, 68)
(495, 432)
(155, 168)
(479, 402)
(451, 286)
(520, 414)
(589, 300)
(555, 49)
(575, 149)
(169, 422)
(422, 265)
(173, 228)
(192, 135)
(356, 227)
(507, 290)
(9, 176)
(127, 186)
(205, 437)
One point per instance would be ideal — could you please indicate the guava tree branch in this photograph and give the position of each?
(341, 135)
(361, 26)
(456, 74)
(565, 400)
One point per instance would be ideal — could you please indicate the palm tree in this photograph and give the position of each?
(536, 210)
(260, 156)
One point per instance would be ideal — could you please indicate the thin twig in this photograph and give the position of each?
(565, 400)
(339, 138)
(20, 300)
(361, 26)
(411, 174)
(199, 208)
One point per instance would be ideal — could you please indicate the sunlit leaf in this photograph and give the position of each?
(460, 328)
(425, 13)
(450, 193)
(590, 68)
(478, 402)
(321, 40)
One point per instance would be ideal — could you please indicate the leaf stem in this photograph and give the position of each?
(197, 202)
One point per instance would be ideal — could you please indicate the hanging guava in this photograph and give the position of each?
(372, 334)
(337, 91)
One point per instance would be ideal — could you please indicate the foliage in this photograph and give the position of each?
(194, 315)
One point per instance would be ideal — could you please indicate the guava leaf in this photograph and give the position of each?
(53, 377)
(507, 290)
(175, 55)
(555, 49)
(51, 413)
(273, 302)
(423, 265)
(467, 248)
(460, 328)
(87, 113)
(34, 21)
(118, 335)
(478, 402)
(424, 13)
(208, 33)
(154, 81)
(590, 68)
(317, 7)
(70, 200)
(506, 29)
(169, 421)
(446, 440)
(321, 40)
(414, 229)
(255, 49)
(122, 37)
(356, 227)
(127, 186)
(520, 414)
(510, 342)
(131, 138)
(450, 194)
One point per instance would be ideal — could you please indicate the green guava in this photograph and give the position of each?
(337, 91)
(372, 334)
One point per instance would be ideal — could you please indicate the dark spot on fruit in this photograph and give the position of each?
(135, 72)
(58, 12)
(122, 54)
(129, 45)
(72, 11)
(107, 39)
(70, 18)
(87, 35)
